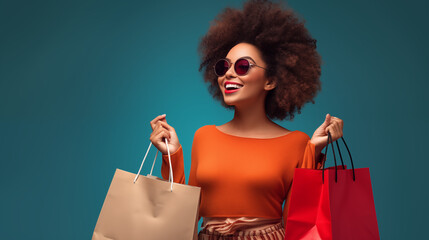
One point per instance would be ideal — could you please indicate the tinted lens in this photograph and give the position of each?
(221, 67)
(241, 66)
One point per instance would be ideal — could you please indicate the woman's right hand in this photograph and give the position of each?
(160, 131)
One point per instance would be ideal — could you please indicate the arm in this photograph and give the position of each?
(334, 126)
(161, 130)
(176, 163)
(312, 159)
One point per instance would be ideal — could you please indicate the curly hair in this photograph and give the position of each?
(286, 46)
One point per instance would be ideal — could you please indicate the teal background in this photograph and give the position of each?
(80, 81)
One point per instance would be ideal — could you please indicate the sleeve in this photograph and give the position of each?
(286, 207)
(309, 160)
(194, 163)
(178, 166)
(194, 166)
(176, 163)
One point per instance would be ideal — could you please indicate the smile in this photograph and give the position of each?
(231, 91)
(232, 87)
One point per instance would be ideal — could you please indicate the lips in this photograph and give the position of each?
(231, 87)
(231, 91)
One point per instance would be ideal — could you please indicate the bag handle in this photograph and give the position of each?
(335, 160)
(170, 179)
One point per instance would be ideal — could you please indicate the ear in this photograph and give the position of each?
(270, 84)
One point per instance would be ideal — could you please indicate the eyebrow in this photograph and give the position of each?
(247, 57)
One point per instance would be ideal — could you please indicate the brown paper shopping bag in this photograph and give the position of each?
(148, 208)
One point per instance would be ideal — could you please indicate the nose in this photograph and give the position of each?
(230, 73)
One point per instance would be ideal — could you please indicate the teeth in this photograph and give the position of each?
(229, 85)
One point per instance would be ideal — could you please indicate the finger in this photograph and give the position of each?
(336, 123)
(338, 120)
(165, 125)
(166, 134)
(163, 134)
(328, 129)
(157, 135)
(327, 121)
(339, 127)
(155, 120)
(335, 120)
(337, 131)
(331, 131)
(156, 126)
(153, 123)
(340, 130)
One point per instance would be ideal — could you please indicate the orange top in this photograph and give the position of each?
(240, 176)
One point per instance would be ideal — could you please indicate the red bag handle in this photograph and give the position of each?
(335, 160)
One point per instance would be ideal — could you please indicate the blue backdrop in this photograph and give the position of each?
(80, 81)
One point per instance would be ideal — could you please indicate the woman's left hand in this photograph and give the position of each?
(320, 137)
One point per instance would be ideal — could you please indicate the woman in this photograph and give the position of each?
(261, 62)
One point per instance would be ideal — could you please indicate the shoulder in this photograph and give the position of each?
(300, 138)
(203, 131)
(301, 135)
(204, 136)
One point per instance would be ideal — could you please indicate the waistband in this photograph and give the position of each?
(275, 231)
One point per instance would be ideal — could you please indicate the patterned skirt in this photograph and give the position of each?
(242, 229)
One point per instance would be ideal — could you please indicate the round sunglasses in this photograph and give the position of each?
(241, 66)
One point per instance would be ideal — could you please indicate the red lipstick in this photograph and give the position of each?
(234, 89)
(231, 91)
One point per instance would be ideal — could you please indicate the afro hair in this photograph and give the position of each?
(286, 46)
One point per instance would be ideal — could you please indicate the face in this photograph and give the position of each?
(253, 86)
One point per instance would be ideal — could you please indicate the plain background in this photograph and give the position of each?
(80, 81)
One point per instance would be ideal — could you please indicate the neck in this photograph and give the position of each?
(251, 117)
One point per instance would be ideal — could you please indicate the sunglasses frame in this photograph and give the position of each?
(230, 65)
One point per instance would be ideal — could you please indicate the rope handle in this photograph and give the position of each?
(335, 160)
(170, 179)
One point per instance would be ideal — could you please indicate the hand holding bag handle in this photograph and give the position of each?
(170, 179)
(335, 160)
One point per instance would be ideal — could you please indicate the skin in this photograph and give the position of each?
(249, 118)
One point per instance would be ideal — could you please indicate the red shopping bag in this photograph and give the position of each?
(332, 204)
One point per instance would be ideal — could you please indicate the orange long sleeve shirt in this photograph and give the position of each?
(243, 177)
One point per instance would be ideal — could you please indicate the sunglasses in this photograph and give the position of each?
(241, 66)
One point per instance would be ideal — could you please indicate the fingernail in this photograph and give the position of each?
(163, 114)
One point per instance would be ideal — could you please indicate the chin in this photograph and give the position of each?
(228, 102)
(231, 102)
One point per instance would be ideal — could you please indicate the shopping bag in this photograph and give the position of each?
(332, 204)
(148, 208)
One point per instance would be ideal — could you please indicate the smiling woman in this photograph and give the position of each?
(281, 42)
(261, 62)
(254, 84)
